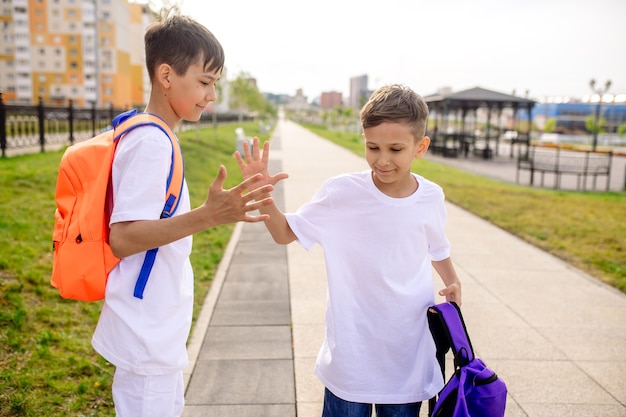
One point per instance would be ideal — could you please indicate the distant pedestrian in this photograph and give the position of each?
(146, 338)
(382, 231)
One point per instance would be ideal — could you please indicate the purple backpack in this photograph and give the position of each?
(473, 390)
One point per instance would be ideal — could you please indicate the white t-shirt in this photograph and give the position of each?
(147, 336)
(378, 252)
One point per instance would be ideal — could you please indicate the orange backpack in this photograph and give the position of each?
(82, 255)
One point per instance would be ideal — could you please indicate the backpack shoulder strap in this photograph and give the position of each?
(127, 121)
(124, 123)
(449, 332)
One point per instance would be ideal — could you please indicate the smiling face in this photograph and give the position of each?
(191, 93)
(390, 148)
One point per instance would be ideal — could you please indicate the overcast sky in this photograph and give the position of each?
(548, 47)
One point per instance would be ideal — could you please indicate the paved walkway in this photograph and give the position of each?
(555, 335)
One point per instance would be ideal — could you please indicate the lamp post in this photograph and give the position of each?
(600, 92)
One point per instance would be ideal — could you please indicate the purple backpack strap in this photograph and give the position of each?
(449, 332)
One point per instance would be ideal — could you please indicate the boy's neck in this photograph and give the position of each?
(164, 111)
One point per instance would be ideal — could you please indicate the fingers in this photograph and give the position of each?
(239, 159)
(266, 150)
(220, 178)
(254, 219)
(255, 153)
(278, 177)
(248, 183)
(255, 148)
(246, 150)
(251, 155)
(452, 293)
(256, 204)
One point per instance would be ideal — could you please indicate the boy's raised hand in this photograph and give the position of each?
(255, 162)
(235, 204)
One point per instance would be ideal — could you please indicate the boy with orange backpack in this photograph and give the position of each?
(145, 338)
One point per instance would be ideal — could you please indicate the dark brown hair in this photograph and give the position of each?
(180, 42)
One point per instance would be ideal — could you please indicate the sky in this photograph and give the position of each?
(545, 47)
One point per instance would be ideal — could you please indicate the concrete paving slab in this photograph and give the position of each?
(258, 252)
(262, 313)
(573, 410)
(247, 342)
(270, 272)
(523, 343)
(550, 382)
(589, 343)
(242, 382)
(609, 374)
(251, 291)
(307, 339)
(309, 389)
(240, 410)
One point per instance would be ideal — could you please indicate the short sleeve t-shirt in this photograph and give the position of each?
(146, 336)
(378, 252)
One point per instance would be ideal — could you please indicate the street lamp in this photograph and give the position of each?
(600, 92)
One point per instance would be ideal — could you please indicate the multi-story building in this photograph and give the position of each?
(571, 115)
(330, 100)
(87, 51)
(359, 92)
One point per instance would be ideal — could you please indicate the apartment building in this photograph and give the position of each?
(359, 92)
(87, 51)
(330, 100)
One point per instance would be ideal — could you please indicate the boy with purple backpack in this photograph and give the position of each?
(382, 230)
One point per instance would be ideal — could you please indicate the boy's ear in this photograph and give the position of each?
(422, 146)
(164, 73)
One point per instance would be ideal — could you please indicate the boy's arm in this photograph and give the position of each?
(221, 207)
(277, 224)
(452, 291)
(256, 163)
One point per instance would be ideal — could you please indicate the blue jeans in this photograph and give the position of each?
(336, 407)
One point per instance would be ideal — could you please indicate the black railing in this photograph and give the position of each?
(40, 127)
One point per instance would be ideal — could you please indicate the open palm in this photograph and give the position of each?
(255, 162)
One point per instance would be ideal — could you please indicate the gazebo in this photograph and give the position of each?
(454, 133)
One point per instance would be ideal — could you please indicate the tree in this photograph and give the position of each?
(593, 127)
(245, 97)
(550, 125)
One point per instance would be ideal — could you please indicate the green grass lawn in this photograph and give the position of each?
(47, 364)
(588, 230)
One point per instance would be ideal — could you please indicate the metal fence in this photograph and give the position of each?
(41, 127)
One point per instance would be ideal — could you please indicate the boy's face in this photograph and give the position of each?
(190, 94)
(389, 150)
